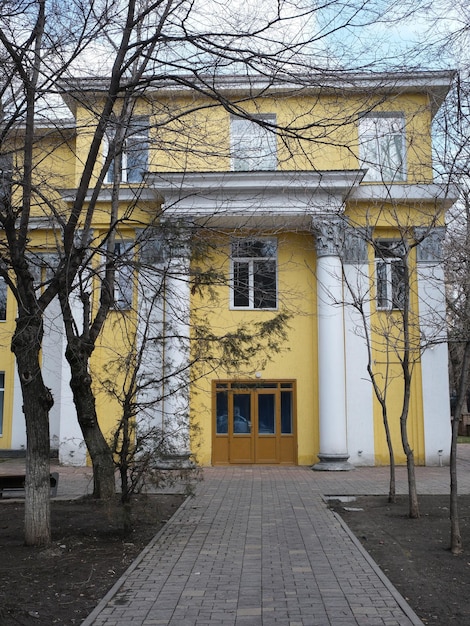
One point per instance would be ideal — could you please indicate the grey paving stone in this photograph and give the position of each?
(258, 546)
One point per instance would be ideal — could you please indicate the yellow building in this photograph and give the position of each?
(298, 219)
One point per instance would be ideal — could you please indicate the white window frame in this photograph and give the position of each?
(250, 262)
(388, 273)
(253, 146)
(132, 141)
(382, 147)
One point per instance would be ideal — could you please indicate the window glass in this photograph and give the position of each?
(137, 150)
(3, 300)
(264, 284)
(253, 145)
(266, 413)
(382, 147)
(286, 412)
(242, 413)
(390, 274)
(124, 275)
(241, 284)
(254, 273)
(222, 412)
(134, 151)
(6, 167)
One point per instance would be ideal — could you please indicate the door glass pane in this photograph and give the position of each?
(266, 414)
(286, 412)
(242, 413)
(222, 412)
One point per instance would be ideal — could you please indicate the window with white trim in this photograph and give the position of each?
(123, 275)
(3, 300)
(390, 274)
(254, 273)
(382, 149)
(135, 148)
(253, 144)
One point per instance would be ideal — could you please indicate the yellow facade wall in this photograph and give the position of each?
(7, 365)
(297, 358)
(192, 133)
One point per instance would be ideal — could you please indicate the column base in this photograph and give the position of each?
(182, 461)
(333, 463)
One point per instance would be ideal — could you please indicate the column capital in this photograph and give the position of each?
(355, 244)
(429, 249)
(329, 232)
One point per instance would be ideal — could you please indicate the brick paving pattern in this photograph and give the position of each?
(257, 546)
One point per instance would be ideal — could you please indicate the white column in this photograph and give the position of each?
(333, 453)
(434, 359)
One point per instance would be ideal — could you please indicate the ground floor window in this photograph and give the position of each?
(254, 422)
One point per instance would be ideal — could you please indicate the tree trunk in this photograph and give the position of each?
(412, 491)
(37, 401)
(392, 494)
(455, 536)
(78, 356)
(410, 462)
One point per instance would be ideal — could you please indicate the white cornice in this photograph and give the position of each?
(278, 199)
(442, 196)
(130, 195)
(434, 83)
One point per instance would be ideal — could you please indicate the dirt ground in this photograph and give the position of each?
(415, 555)
(63, 584)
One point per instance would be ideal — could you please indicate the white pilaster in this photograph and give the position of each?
(163, 336)
(359, 395)
(434, 359)
(177, 311)
(66, 435)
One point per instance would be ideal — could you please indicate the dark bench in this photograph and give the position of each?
(15, 482)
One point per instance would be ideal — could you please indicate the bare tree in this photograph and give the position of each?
(141, 45)
(455, 158)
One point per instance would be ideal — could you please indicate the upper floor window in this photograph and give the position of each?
(254, 273)
(123, 275)
(134, 154)
(253, 144)
(390, 274)
(3, 300)
(382, 147)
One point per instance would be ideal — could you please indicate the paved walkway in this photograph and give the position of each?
(257, 546)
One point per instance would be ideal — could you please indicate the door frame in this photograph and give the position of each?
(230, 447)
